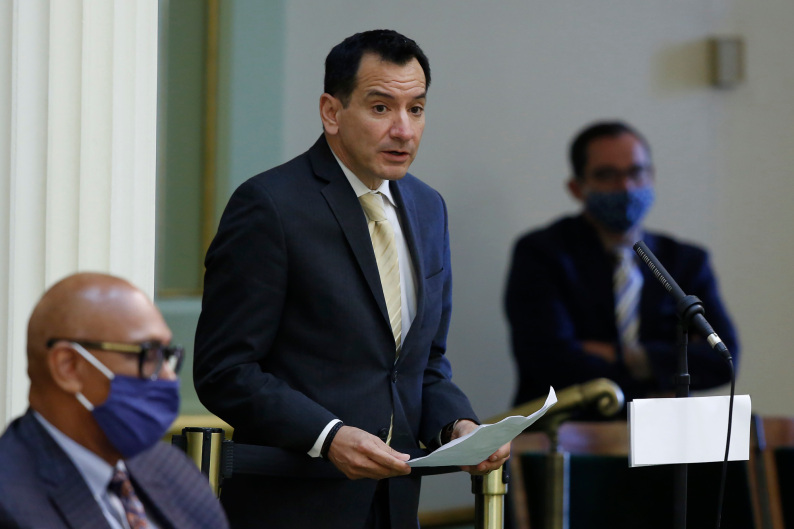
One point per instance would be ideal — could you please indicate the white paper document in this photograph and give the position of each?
(479, 444)
(687, 430)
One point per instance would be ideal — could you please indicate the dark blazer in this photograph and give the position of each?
(41, 488)
(294, 332)
(559, 293)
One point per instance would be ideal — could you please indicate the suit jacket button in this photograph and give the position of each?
(383, 433)
(394, 376)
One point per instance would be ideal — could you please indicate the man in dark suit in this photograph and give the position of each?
(306, 342)
(103, 392)
(568, 298)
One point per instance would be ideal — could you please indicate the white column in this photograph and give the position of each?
(5, 194)
(77, 156)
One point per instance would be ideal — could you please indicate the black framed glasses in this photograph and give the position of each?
(151, 355)
(613, 174)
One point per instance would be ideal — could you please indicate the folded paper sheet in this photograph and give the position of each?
(687, 430)
(477, 446)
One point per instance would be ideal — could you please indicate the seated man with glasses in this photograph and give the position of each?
(579, 303)
(103, 393)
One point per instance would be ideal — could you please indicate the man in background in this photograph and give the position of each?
(103, 393)
(327, 300)
(581, 305)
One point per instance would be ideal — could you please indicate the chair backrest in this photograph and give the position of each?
(604, 492)
(776, 442)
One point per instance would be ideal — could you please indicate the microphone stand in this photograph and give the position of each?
(680, 470)
(687, 307)
(690, 313)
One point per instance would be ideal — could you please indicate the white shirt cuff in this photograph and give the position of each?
(318, 444)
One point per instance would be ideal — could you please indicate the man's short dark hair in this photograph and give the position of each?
(341, 65)
(601, 129)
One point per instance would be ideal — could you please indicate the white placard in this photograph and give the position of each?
(687, 430)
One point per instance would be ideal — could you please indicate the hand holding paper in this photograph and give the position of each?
(492, 462)
(478, 445)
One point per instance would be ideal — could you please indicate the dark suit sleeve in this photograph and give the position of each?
(244, 294)
(546, 347)
(442, 401)
(706, 367)
(6, 522)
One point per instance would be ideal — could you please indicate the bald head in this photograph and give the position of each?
(91, 306)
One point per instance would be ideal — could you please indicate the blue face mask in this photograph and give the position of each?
(137, 412)
(620, 211)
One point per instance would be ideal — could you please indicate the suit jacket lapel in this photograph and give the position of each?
(347, 210)
(78, 506)
(62, 480)
(155, 492)
(409, 223)
(595, 270)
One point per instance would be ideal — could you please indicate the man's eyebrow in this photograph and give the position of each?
(383, 95)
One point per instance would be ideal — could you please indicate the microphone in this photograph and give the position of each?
(690, 308)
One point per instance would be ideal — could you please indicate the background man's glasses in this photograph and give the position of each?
(151, 355)
(613, 174)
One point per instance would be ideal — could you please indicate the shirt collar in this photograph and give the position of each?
(359, 187)
(96, 472)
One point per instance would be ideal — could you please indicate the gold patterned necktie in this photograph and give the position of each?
(627, 282)
(121, 486)
(385, 246)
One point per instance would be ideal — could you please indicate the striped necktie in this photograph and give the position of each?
(121, 486)
(627, 282)
(382, 235)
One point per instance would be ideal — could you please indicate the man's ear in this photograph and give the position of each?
(63, 365)
(329, 111)
(575, 188)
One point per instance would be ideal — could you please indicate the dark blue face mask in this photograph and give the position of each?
(620, 211)
(137, 412)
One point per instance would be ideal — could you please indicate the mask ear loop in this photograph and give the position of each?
(84, 401)
(91, 359)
